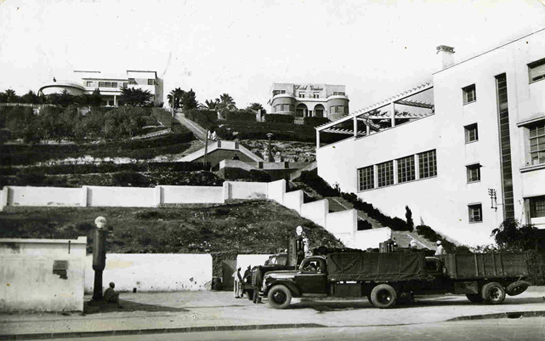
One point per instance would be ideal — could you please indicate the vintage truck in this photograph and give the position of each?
(385, 277)
(275, 262)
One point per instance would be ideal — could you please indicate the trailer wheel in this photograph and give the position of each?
(279, 297)
(493, 293)
(383, 296)
(474, 298)
(517, 288)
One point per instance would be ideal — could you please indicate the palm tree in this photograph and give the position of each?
(226, 103)
(135, 97)
(10, 95)
(211, 104)
(175, 96)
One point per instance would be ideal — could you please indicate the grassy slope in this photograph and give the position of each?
(257, 226)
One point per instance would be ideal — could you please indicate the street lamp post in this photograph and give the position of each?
(99, 257)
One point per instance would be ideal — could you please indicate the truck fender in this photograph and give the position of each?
(517, 288)
(288, 284)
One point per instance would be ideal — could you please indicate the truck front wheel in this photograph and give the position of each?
(493, 293)
(383, 296)
(279, 297)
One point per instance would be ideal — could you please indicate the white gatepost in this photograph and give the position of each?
(158, 196)
(4, 197)
(83, 196)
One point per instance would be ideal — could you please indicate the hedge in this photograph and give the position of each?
(315, 121)
(205, 118)
(239, 116)
(276, 118)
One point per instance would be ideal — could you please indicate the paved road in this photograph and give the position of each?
(501, 329)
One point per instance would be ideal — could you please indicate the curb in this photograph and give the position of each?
(42, 336)
(511, 315)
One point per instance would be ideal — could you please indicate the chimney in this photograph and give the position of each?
(446, 56)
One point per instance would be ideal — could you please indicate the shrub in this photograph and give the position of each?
(364, 225)
(536, 267)
(315, 121)
(279, 118)
(312, 179)
(130, 179)
(205, 118)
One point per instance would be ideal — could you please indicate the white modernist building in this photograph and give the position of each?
(464, 152)
(309, 100)
(108, 85)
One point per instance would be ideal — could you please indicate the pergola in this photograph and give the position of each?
(374, 117)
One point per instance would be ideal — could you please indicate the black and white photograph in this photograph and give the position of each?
(272, 170)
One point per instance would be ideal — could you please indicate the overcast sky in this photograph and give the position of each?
(376, 48)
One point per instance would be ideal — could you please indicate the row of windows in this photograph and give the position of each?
(284, 107)
(405, 167)
(339, 109)
(105, 84)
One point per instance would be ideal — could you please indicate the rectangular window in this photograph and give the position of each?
(471, 132)
(89, 83)
(427, 164)
(316, 95)
(537, 207)
(470, 94)
(473, 173)
(301, 95)
(537, 143)
(385, 173)
(536, 70)
(114, 84)
(285, 107)
(475, 213)
(367, 178)
(151, 81)
(405, 169)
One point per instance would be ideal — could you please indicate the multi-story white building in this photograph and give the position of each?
(463, 153)
(309, 100)
(109, 85)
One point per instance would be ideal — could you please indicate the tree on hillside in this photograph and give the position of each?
(226, 103)
(211, 104)
(256, 107)
(188, 100)
(23, 123)
(31, 98)
(11, 97)
(135, 97)
(174, 97)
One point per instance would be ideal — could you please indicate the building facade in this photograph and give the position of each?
(309, 100)
(463, 154)
(109, 85)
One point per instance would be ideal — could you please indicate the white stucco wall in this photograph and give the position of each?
(342, 222)
(121, 196)
(294, 200)
(247, 190)
(44, 196)
(371, 238)
(153, 272)
(27, 281)
(191, 194)
(276, 190)
(316, 211)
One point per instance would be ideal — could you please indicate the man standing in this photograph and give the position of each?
(238, 284)
(439, 251)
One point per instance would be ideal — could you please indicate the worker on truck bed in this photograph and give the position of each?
(440, 251)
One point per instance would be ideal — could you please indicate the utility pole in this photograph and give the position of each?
(99, 257)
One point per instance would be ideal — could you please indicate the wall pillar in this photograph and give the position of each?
(4, 197)
(393, 108)
(317, 138)
(355, 127)
(158, 196)
(226, 191)
(83, 196)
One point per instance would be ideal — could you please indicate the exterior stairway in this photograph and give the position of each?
(337, 204)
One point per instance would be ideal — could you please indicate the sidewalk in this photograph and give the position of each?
(214, 311)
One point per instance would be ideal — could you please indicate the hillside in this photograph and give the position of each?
(257, 226)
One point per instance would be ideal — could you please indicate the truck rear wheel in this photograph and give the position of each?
(383, 296)
(493, 293)
(279, 297)
(475, 298)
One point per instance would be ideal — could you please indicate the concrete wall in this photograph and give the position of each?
(153, 272)
(121, 196)
(245, 190)
(294, 200)
(191, 194)
(372, 238)
(44, 196)
(316, 211)
(276, 190)
(27, 281)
